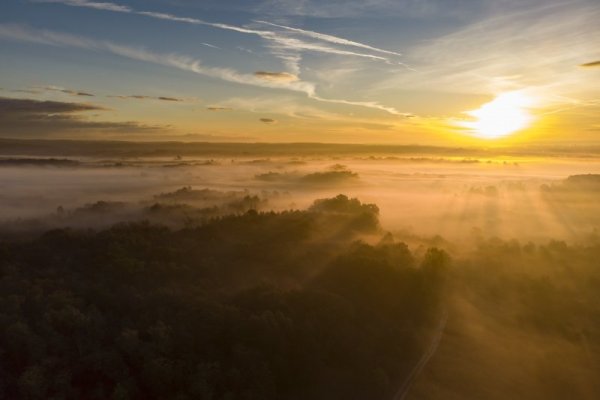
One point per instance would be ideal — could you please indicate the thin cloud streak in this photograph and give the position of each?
(329, 38)
(90, 4)
(487, 57)
(290, 43)
(368, 104)
(285, 105)
(194, 65)
(579, 104)
(282, 41)
(20, 33)
(66, 91)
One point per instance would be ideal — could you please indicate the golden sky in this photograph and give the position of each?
(377, 71)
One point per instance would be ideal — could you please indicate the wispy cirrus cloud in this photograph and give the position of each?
(98, 5)
(274, 37)
(23, 33)
(329, 38)
(182, 62)
(288, 106)
(66, 91)
(277, 41)
(191, 64)
(367, 104)
(282, 44)
(488, 57)
(418, 9)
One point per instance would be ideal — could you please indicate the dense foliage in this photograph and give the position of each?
(253, 306)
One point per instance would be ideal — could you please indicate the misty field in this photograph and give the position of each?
(457, 194)
(419, 274)
(299, 200)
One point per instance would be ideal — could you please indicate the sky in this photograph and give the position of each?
(370, 71)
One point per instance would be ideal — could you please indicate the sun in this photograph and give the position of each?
(506, 114)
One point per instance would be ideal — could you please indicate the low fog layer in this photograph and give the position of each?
(485, 267)
(455, 197)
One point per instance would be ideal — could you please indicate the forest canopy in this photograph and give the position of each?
(254, 305)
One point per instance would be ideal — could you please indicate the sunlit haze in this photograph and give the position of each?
(283, 71)
(299, 199)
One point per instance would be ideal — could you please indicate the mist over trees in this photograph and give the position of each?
(250, 306)
(524, 322)
(222, 277)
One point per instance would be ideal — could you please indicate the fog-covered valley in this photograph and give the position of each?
(425, 195)
(280, 274)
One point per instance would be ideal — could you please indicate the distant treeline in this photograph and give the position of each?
(105, 148)
(38, 162)
(253, 306)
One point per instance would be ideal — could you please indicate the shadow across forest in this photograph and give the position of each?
(221, 277)
(258, 305)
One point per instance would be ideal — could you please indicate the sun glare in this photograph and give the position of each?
(506, 114)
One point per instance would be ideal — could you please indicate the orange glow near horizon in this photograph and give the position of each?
(501, 117)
